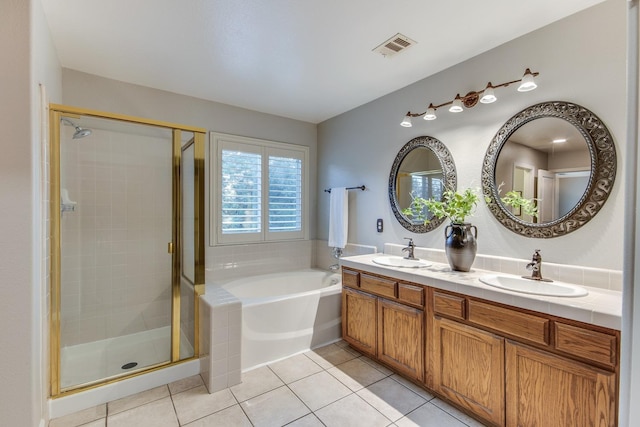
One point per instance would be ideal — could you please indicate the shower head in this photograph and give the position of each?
(80, 132)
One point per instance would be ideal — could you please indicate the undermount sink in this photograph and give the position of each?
(397, 261)
(535, 287)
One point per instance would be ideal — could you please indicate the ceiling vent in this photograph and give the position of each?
(394, 45)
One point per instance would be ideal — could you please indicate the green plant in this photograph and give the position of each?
(454, 205)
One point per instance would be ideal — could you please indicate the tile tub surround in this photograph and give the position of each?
(331, 386)
(220, 339)
(600, 307)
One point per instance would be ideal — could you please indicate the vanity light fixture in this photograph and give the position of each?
(485, 96)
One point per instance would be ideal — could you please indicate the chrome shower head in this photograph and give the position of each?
(80, 132)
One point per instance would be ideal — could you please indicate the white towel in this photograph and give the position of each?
(338, 217)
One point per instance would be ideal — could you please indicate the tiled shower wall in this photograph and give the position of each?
(116, 272)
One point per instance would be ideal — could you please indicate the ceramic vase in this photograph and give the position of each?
(460, 245)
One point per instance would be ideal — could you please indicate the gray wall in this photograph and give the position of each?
(581, 59)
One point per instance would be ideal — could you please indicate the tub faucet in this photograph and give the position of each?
(410, 247)
(334, 267)
(536, 267)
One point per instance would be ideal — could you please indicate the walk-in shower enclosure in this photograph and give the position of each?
(127, 245)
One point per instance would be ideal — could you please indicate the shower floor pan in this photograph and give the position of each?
(105, 359)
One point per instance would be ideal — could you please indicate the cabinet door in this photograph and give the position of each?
(359, 318)
(548, 390)
(468, 368)
(401, 338)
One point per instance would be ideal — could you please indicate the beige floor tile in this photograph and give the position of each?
(356, 374)
(295, 368)
(158, 413)
(413, 387)
(351, 411)
(198, 403)
(256, 382)
(330, 355)
(97, 423)
(185, 384)
(391, 398)
(275, 408)
(138, 399)
(472, 422)
(306, 421)
(319, 390)
(231, 417)
(81, 417)
(429, 415)
(377, 365)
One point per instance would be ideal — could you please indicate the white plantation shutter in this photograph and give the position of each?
(241, 192)
(260, 188)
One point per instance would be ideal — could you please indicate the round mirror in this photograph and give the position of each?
(423, 168)
(549, 169)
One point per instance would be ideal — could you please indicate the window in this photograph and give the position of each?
(260, 190)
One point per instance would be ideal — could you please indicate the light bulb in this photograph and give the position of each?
(431, 113)
(527, 83)
(407, 121)
(488, 96)
(456, 107)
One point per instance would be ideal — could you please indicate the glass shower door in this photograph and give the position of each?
(116, 222)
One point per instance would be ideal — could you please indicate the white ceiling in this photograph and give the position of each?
(304, 59)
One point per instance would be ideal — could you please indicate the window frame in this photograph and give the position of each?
(221, 141)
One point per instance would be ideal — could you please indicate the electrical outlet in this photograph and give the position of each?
(379, 225)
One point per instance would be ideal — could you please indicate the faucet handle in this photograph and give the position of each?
(410, 241)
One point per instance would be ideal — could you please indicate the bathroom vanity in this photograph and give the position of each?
(504, 357)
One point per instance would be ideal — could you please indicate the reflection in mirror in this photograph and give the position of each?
(419, 175)
(423, 168)
(546, 160)
(556, 156)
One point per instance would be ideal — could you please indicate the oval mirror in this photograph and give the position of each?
(549, 169)
(423, 168)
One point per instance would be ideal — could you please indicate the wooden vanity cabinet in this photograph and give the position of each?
(377, 320)
(359, 319)
(401, 338)
(468, 368)
(505, 365)
(544, 389)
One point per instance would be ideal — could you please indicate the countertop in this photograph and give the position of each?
(600, 307)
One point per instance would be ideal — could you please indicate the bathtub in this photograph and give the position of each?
(287, 313)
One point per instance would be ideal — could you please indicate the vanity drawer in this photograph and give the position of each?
(596, 346)
(522, 325)
(378, 285)
(449, 305)
(411, 294)
(350, 278)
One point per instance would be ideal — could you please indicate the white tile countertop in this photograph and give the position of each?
(600, 307)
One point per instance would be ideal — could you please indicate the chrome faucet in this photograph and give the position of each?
(410, 247)
(334, 267)
(536, 267)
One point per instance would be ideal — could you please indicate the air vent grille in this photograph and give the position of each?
(394, 45)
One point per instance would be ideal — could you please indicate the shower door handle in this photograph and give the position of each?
(170, 247)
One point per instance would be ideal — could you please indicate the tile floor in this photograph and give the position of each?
(329, 386)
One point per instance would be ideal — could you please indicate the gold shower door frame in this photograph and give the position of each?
(56, 112)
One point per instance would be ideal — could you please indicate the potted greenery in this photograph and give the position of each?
(460, 236)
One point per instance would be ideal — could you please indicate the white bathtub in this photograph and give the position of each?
(287, 313)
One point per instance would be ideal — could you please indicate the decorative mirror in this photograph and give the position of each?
(423, 168)
(556, 157)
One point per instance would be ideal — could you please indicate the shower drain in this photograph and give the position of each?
(129, 365)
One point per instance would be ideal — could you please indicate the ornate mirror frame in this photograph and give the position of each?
(603, 169)
(448, 173)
